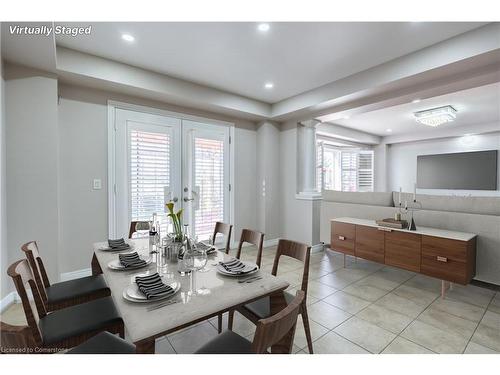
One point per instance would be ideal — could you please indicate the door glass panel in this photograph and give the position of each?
(209, 185)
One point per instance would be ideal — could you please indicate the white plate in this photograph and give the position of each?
(133, 294)
(107, 248)
(248, 265)
(117, 266)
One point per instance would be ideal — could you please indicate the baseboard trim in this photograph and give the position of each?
(76, 274)
(318, 247)
(273, 242)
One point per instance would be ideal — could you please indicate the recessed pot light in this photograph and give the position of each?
(388, 130)
(416, 101)
(346, 117)
(263, 27)
(128, 37)
(269, 85)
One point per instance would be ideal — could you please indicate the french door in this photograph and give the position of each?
(158, 159)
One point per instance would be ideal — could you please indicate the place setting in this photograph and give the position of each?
(117, 245)
(150, 288)
(130, 261)
(246, 271)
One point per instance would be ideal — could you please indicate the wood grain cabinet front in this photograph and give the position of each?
(403, 250)
(342, 239)
(448, 259)
(369, 243)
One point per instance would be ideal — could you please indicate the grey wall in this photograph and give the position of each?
(83, 157)
(32, 157)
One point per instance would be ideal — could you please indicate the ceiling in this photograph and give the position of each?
(237, 58)
(479, 105)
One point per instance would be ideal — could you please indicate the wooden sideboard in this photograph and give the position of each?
(443, 254)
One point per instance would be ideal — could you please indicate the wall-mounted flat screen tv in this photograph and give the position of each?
(462, 170)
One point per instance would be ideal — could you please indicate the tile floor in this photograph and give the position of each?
(365, 308)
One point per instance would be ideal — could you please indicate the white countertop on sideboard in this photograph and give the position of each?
(444, 233)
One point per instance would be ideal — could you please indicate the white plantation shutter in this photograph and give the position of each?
(365, 171)
(149, 160)
(209, 184)
(348, 164)
(319, 166)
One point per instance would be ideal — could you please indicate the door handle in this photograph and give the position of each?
(186, 199)
(341, 238)
(441, 259)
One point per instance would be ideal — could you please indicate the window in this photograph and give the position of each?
(149, 172)
(344, 169)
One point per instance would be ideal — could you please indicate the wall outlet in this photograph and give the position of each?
(97, 184)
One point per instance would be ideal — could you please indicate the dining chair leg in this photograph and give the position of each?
(305, 320)
(230, 320)
(219, 323)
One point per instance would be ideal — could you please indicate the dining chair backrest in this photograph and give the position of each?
(296, 250)
(252, 237)
(136, 226)
(271, 330)
(30, 249)
(15, 337)
(225, 230)
(21, 274)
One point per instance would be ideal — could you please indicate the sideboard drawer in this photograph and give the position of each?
(402, 250)
(444, 268)
(444, 247)
(369, 243)
(342, 237)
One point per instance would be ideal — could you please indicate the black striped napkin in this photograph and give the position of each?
(118, 244)
(131, 260)
(152, 286)
(233, 266)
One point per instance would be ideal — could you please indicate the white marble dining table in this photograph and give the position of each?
(202, 296)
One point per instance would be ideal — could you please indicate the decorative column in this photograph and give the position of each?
(306, 160)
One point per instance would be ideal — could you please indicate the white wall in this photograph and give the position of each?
(402, 160)
(5, 283)
(32, 159)
(83, 148)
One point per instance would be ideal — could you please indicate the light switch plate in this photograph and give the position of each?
(97, 184)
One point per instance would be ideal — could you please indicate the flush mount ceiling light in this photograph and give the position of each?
(128, 38)
(263, 27)
(436, 116)
(415, 101)
(269, 85)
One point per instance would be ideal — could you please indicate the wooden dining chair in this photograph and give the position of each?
(252, 237)
(225, 230)
(261, 308)
(136, 226)
(67, 327)
(104, 343)
(15, 339)
(67, 293)
(269, 332)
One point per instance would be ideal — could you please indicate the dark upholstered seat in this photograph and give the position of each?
(79, 319)
(75, 288)
(262, 307)
(104, 343)
(227, 342)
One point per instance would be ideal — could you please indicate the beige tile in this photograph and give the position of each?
(365, 334)
(435, 339)
(162, 346)
(366, 292)
(327, 315)
(425, 282)
(419, 296)
(316, 271)
(378, 282)
(471, 294)
(473, 348)
(460, 309)
(316, 329)
(495, 304)
(362, 264)
(401, 345)
(384, 318)
(448, 322)
(310, 299)
(401, 305)
(332, 343)
(488, 332)
(346, 302)
(294, 278)
(343, 277)
(319, 290)
(241, 325)
(397, 275)
(191, 339)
